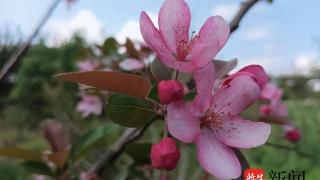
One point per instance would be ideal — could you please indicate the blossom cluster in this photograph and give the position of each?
(212, 119)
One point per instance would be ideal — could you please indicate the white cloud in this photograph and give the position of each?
(131, 29)
(304, 63)
(225, 10)
(85, 23)
(255, 34)
(273, 64)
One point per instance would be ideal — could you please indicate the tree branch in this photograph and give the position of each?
(129, 135)
(25, 46)
(244, 8)
(280, 146)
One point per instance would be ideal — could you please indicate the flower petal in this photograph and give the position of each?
(255, 71)
(203, 55)
(216, 158)
(258, 72)
(235, 97)
(212, 37)
(152, 37)
(271, 92)
(174, 23)
(131, 64)
(182, 124)
(241, 133)
(204, 79)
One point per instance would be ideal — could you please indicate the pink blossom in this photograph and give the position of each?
(213, 123)
(39, 177)
(171, 41)
(169, 91)
(132, 64)
(165, 154)
(87, 65)
(275, 107)
(271, 92)
(90, 104)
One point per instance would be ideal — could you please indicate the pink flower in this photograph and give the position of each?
(39, 177)
(87, 65)
(271, 92)
(276, 107)
(90, 104)
(165, 154)
(213, 123)
(169, 91)
(132, 64)
(171, 42)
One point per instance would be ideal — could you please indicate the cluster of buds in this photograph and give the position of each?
(278, 110)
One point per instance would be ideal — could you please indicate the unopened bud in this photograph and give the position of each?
(165, 154)
(293, 135)
(169, 91)
(254, 71)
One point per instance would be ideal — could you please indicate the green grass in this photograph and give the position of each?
(306, 116)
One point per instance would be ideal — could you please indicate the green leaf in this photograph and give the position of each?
(19, 153)
(139, 152)
(109, 46)
(135, 174)
(34, 167)
(88, 140)
(160, 71)
(270, 1)
(154, 94)
(129, 111)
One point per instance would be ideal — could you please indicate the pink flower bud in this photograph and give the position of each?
(165, 154)
(293, 135)
(265, 110)
(169, 91)
(254, 71)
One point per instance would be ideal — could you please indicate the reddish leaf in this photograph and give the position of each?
(111, 81)
(131, 50)
(59, 158)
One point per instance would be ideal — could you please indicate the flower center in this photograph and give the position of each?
(182, 50)
(211, 120)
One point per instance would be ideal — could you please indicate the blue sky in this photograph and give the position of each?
(281, 36)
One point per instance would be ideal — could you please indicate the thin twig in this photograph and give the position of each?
(117, 148)
(244, 8)
(25, 46)
(288, 148)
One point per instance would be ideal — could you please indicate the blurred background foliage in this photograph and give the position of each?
(29, 95)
